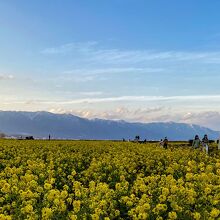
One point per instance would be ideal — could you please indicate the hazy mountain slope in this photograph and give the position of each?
(41, 124)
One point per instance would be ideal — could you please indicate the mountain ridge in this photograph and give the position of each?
(67, 126)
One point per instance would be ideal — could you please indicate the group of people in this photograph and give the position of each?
(201, 144)
(196, 144)
(164, 142)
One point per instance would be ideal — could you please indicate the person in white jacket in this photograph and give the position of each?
(205, 143)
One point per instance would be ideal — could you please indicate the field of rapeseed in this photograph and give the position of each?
(106, 180)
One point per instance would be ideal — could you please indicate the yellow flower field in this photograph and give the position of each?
(107, 180)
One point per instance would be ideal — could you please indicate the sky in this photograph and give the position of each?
(133, 60)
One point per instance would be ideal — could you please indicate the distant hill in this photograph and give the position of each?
(67, 126)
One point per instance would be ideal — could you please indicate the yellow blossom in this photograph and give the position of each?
(214, 213)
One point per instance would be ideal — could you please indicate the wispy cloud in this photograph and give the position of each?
(100, 74)
(91, 93)
(78, 77)
(145, 98)
(6, 77)
(94, 52)
(70, 47)
(113, 70)
(135, 56)
(196, 98)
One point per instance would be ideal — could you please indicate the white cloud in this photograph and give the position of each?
(81, 78)
(70, 47)
(193, 98)
(145, 115)
(6, 77)
(135, 56)
(138, 114)
(113, 70)
(101, 74)
(130, 108)
(93, 52)
(207, 118)
(142, 99)
(91, 93)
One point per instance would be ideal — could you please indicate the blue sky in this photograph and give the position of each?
(133, 60)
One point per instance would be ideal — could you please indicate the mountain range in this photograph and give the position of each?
(67, 126)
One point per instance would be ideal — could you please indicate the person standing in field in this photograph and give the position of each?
(205, 142)
(165, 143)
(196, 142)
(161, 143)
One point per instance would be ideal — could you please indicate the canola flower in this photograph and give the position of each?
(107, 180)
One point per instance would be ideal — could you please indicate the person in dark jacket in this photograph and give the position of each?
(196, 142)
(165, 143)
